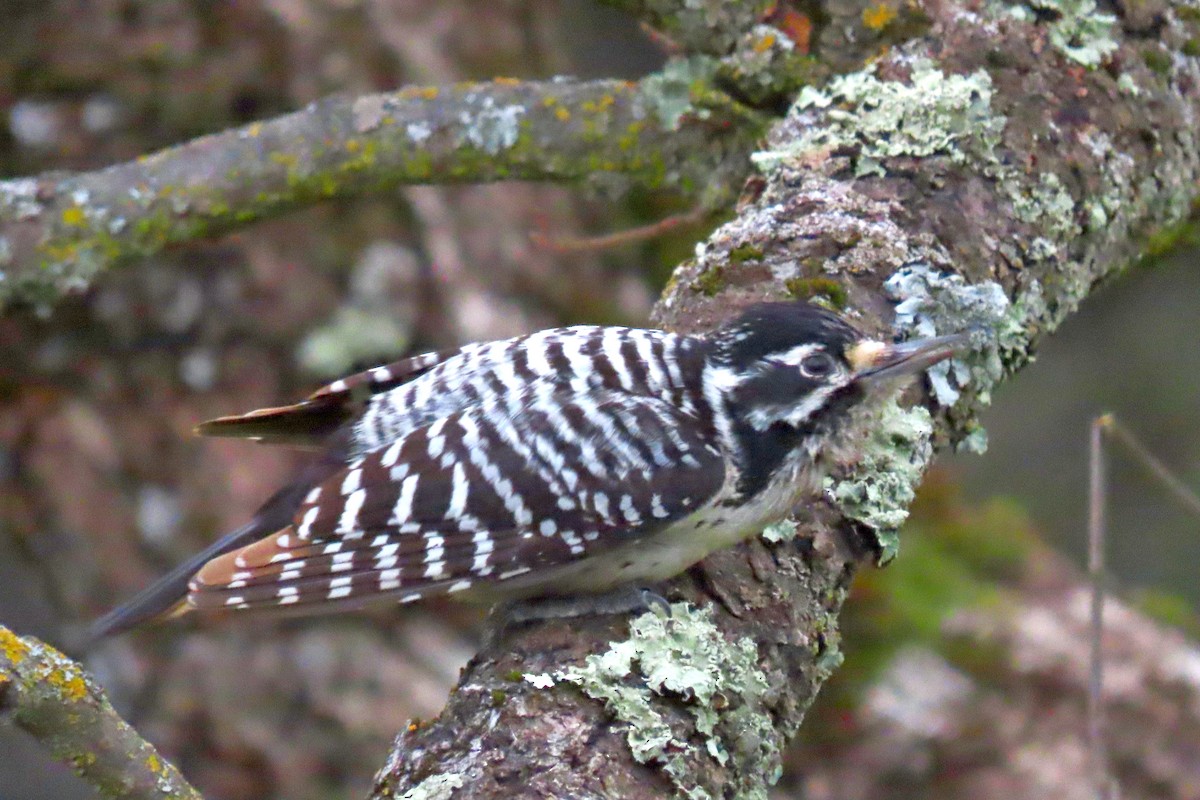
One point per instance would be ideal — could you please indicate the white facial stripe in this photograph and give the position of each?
(765, 416)
(797, 354)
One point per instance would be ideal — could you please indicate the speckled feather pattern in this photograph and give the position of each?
(567, 461)
(495, 461)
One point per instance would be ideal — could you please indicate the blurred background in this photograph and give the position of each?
(103, 487)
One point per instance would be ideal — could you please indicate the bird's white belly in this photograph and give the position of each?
(669, 552)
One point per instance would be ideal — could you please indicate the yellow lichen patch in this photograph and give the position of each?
(507, 81)
(14, 649)
(73, 216)
(562, 113)
(878, 17)
(288, 160)
(254, 130)
(764, 44)
(420, 92)
(70, 682)
(353, 146)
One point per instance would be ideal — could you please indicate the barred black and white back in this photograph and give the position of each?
(570, 460)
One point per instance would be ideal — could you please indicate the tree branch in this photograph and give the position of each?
(50, 697)
(57, 231)
(988, 174)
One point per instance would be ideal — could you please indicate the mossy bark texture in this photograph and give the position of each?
(50, 696)
(57, 231)
(990, 172)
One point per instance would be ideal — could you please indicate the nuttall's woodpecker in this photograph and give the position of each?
(566, 462)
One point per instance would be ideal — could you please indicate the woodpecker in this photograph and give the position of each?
(567, 462)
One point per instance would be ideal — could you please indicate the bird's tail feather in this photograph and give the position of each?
(167, 597)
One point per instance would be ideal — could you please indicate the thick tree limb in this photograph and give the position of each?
(50, 697)
(988, 174)
(57, 231)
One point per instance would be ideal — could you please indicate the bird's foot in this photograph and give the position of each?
(623, 600)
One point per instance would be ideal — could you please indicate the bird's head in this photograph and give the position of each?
(798, 365)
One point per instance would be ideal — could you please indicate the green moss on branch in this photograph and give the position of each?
(57, 232)
(50, 697)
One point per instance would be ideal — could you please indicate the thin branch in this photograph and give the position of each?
(50, 697)
(1106, 786)
(1175, 487)
(57, 231)
(590, 244)
(1097, 496)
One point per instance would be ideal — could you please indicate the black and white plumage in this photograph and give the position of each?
(573, 460)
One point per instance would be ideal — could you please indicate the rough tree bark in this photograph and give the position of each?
(989, 171)
(50, 696)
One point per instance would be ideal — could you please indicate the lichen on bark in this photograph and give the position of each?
(684, 656)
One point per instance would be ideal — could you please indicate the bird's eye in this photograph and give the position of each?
(817, 365)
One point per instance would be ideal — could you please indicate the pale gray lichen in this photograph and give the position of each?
(435, 787)
(930, 114)
(1050, 205)
(684, 657)
(933, 303)
(933, 113)
(882, 485)
(1128, 85)
(20, 195)
(669, 92)
(1079, 31)
(418, 131)
(783, 531)
(542, 681)
(492, 128)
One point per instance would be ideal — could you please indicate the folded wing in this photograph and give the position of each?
(484, 495)
(310, 422)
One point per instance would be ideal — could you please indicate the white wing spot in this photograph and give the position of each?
(349, 519)
(389, 579)
(392, 454)
(403, 508)
(631, 514)
(306, 523)
(600, 501)
(656, 507)
(436, 445)
(458, 493)
(353, 481)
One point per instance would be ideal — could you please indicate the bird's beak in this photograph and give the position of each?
(878, 361)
